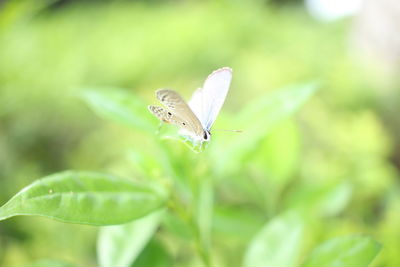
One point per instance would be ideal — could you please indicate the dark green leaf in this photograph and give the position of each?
(154, 255)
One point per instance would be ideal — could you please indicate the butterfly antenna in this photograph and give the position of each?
(233, 131)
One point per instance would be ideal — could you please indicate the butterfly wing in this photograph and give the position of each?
(206, 102)
(178, 113)
(167, 116)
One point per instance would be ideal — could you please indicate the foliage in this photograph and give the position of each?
(310, 181)
(83, 197)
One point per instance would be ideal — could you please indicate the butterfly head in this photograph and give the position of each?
(206, 136)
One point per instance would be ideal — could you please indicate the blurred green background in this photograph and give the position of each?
(337, 160)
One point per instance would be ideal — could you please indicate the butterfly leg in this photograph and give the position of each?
(159, 128)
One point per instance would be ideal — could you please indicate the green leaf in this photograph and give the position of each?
(312, 200)
(120, 245)
(154, 255)
(177, 226)
(121, 106)
(86, 198)
(277, 244)
(257, 120)
(349, 251)
(237, 223)
(273, 107)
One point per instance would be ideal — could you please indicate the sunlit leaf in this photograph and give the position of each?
(321, 200)
(277, 244)
(258, 119)
(85, 197)
(349, 251)
(121, 106)
(120, 245)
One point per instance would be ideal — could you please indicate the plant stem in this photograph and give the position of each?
(201, 247)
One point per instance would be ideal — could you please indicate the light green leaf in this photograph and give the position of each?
(85, 197)
(277, 244)
(273, 107)
(238, 223)
(321, 200)
(121, 106)
(120, 245)
(258, 119)
(349, 251)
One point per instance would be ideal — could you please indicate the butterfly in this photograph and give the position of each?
(196, 117)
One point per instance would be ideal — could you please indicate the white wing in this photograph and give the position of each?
(206, 102)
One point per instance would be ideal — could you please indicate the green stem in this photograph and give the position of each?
(202, 249)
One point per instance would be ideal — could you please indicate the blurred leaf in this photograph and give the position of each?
(153, 255)
(177, 226)
(144, 163)
(258, 119)
(239, 223)
(15, 10)
(336, 199)
(269, 158)
(349, 251)
(321, 200)
(49, 263)
(120, 245)
(277, 244)
(121, 106)
(273, 107)
(85, 197)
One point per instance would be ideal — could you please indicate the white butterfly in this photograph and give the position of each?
(196, 118)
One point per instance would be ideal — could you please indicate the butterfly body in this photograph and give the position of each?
(195, 118)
